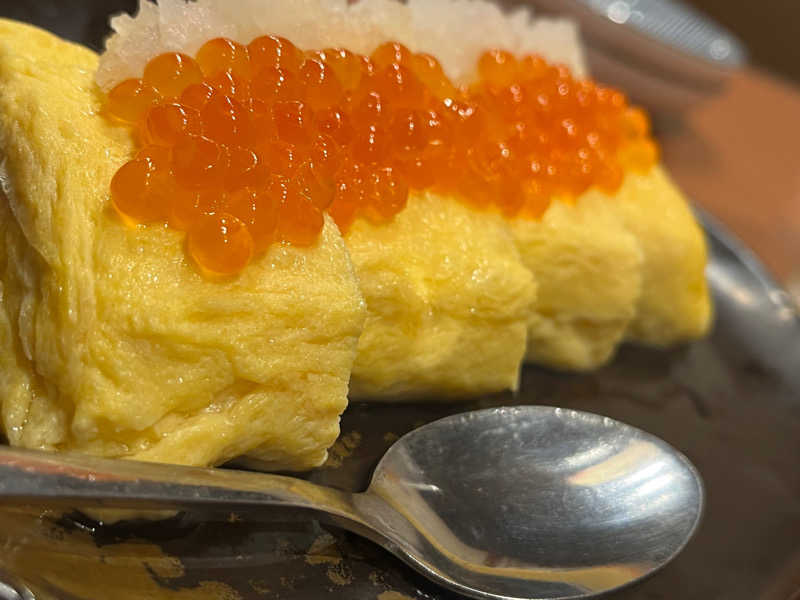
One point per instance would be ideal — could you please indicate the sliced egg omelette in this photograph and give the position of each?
(110, 341)
(627, 266)
(607, 266)
(114, 342)
(448, 298)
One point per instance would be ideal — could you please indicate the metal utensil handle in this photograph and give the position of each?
(29, 477)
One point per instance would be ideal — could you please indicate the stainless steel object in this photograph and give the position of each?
(9, 593)
(665, 53)
(768, 322)
(503, 503)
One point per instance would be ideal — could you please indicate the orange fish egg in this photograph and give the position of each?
(198, 163)
(130, 193)
(165, 124)
(322, 87)
(325, 156)
(387, 195)
(276, 84)
(186, 206)
(399, 86)
(497, 68)
(130, 100)
(231, 85)
(225, 120)
(348, 67)
(245, 168)
(409, 131)
(334, 122)
(299, 220)
(222, 55)
(430, 73)
(197, 95)
(258, 210)
(390, 52)
(273, 51)
(293, 121)
(314, 185)
(246, 146)
(171, 73)
(158, 157)
(368, 108)
(220, 244)
(370, 144)
(282, 157)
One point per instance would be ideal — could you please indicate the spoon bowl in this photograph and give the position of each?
(509, 503)
(539, 502)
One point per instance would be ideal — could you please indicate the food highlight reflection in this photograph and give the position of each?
(620, 464)
(439, 534)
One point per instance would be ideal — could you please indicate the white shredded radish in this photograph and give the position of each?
(455, 31)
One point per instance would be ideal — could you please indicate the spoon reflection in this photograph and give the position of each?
(506, 503)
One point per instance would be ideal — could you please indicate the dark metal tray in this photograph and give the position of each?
(731, 403)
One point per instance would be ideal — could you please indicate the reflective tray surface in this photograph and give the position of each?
(731, 403)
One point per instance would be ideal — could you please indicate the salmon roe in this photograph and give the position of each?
(245, 146)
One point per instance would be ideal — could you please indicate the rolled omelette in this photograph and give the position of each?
(627, 266)
(111, 342)
(613, 265)
(624, 263)
(447, 296)
(446, 290)
(455, 292)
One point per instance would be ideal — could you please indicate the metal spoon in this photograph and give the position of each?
(507, 503)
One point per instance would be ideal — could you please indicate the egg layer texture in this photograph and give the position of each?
(625, 267)
(110, 341)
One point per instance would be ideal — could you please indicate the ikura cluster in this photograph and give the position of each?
(244, 146)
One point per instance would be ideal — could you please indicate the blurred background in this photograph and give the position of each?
(769, 28)
(726, 111)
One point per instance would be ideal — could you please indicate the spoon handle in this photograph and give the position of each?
(31, 477)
